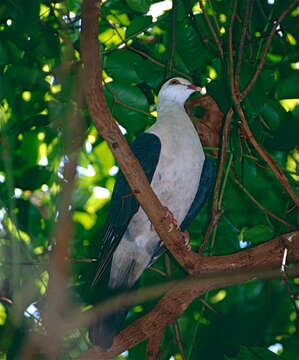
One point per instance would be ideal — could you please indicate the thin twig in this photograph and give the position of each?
(266, 50)
(214, 16)
(213, 222)
(205, 40)
(142, 53)
(230, 35)
(208, 306)
(225, 180)
(291, 294)
(277, 171)
(178, 337)
(237, 97)
(225, 136)
(217, 41)
(117, 101)
(157, 270)
(169, 67)
(216, 212)
(241, 46)
(290, 226)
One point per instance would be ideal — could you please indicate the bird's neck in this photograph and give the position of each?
(172, 118)
(169, 106)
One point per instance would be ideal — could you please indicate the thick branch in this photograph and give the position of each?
(173, 304)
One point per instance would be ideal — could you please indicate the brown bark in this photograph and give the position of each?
(173, 304)
(153, 345)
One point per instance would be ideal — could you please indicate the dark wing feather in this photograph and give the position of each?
(124, 204)
(206, 185)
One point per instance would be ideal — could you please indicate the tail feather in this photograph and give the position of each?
(104, 329)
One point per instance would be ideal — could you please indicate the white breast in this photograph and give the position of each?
(178, 172)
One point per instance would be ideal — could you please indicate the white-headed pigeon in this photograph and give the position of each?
(173, 160)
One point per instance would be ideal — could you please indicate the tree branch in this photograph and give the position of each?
(174, 303)
(217, 41)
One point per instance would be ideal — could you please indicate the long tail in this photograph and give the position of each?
(103, 331)
(105, 328)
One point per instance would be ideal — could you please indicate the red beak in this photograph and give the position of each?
(193, 87)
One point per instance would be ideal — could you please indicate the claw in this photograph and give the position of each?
(187, 238)
(171, 226)
(174, 223)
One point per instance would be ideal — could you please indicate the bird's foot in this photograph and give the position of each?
(173, 222)
(187, 239)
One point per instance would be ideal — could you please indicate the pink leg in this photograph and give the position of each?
(173, 222)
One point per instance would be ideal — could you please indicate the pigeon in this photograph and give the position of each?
(172, 157)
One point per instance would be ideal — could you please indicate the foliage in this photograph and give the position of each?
(39, 67)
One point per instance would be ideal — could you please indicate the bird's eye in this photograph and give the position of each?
(174, 82)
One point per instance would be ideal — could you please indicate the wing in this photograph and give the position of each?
(206, 185)
(124, 204)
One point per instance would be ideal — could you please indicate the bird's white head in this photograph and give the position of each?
(176, 90)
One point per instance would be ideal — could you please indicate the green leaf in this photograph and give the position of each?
(256, 98)
(27, 150)
(106, 159)
(295, 111)
(138, 24)
(273, 113)
(128, 95)
(29, 217)
(288, 88)
(37, 121)
(259, 181)
(139, 5)
(195, 57)
(3, 55)
(286, 136)
(121, 66)
(249, 353)
(33, 178)
(150, 73)
(24, 75)
(131, 120)
(131, 113)
(257, 234)
(3, 87)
